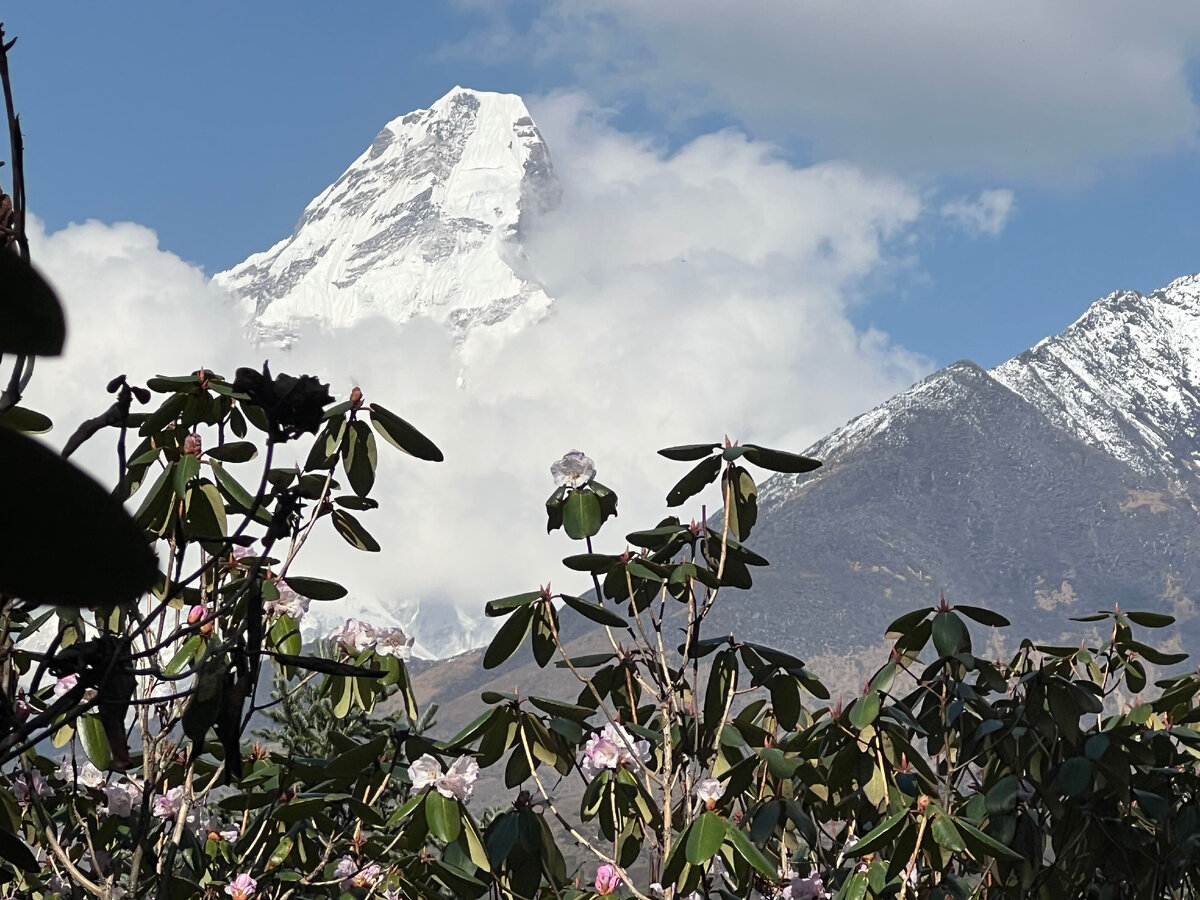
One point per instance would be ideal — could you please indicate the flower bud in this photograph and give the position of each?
(199, 613)
(192, 445)
(356, 398)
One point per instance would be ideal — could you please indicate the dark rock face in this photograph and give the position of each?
(960, 485)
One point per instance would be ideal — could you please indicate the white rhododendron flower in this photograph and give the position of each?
(394, 642)
(88, 775)
(289, 603)
(26, 784)
(574, 470)
(810, 887)
(460, 780)
(121, 799)
(613, 747)
(424, 772)
(710, 790)
(355, 636)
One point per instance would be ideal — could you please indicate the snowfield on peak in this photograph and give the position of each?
(426, 222)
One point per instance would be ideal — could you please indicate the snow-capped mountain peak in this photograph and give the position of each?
(426, 222)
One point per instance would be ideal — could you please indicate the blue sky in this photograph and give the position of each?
(214, 124)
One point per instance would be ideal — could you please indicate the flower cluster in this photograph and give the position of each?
(242, 888)
(356, 636)
(457, 783)
(613, 747)
(607, 879)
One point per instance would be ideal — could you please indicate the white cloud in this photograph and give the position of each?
(698, 293)
(1017, 89)
(987, 214)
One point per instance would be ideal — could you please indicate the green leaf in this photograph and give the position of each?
(581, 514)
(1154, 655)
(110, 561)
(443, 817)
(595, 612)
(742, 511)
(751, 854)
(596, 563)
(186, 653)
(316, 588)
(26, 421)
(505, 605)
(403, 436)
(864, 710)
(327, 666)
(352, 531)
(983, 616)
(983, 845)
(879, 836)
(1002, 798)
(688, 452)
(31, 318)
(510, 636)
(950, 635)
(360, 459)
(778, 460)
(1075, 776)
(95, 742)
(703, 474)
(1150, 619)
(704, 838)
(186, 471)
(906, 622)
(234, 452)
(946, 835)
(206, 513)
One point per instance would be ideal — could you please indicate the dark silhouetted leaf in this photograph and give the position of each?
(316, 588)
(107, 563)
(352, 531)
(234, 452)
(31, 318)
(778, 460)
(703, 474)
(595, 612)
(688, 452)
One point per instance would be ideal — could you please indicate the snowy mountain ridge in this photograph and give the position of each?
(426, 222)
(1123, 378)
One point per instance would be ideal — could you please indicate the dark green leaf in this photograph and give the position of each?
(19, 418)
(703, 474)
(864, 710)
(400, 434)
(316, 588)
(352, 531)
(688, 452)
(879, 836)
(443, 817)
(504, 606)
(1150, 619)
(360, 459)
(704, 838)
(946, 835)
(581, 516)
(950, 635)
(510, 636)
(983, 845)
(751, 854)
(983, 616)
(591, 562)
(1074, 776)
(12, 848)
(327, 666)
(595, 612)
(1002, 798)
(742, 501)
(186, 470)
(234, 452)
(778, 460)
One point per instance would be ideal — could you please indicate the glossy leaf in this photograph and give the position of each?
(778, 460)
(581, 515)
(316, 588)
(360, 459)
(353, 532)
(704, 838)
(510, 636)
(595, 612)
(234, 452)
(688, 452)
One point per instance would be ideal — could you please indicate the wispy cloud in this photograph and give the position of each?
(986, 214)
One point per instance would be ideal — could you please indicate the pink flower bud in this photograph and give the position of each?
(192, 445)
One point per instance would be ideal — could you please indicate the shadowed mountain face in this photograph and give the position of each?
(1058, 484)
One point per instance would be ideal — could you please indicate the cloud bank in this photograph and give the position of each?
(697, 293)
(986, 214)
(1021, 89)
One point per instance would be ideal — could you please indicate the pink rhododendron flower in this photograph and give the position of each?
(460, 780)
(607, 879)
(574, 470)
(64, 685)
(355, 636)
(613, 747)
(242, 888)
(87, 774)
(27, 784)
(394, 642)
(366, 876)
(166, 806)
(121, 799)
